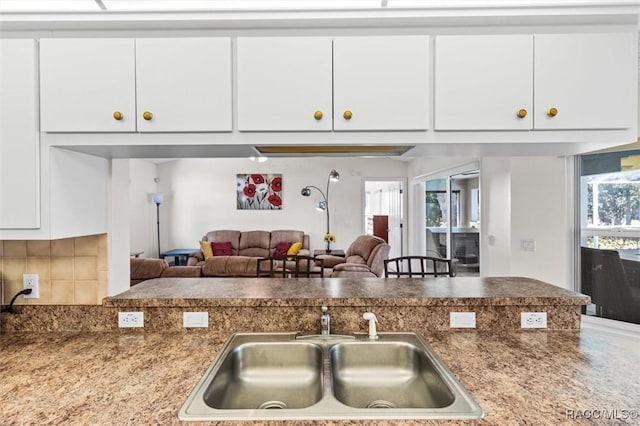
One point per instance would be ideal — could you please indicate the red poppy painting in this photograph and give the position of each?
(259, 191)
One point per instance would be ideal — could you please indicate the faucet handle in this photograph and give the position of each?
(324, 309)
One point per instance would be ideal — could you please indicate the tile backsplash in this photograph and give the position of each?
(72, 271)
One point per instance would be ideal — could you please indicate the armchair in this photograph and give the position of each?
(364, 258)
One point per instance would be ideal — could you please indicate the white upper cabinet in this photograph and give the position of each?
(284, 84)
(184, 84)
(587, 79)
(381, 83)
(19, 143)
(484, 82)
(524, 82)
(95, 85)
(87, 85)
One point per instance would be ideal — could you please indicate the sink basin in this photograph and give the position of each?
(386, 375)
(280, 376)
(267, 375)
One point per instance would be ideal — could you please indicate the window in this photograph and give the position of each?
(610, 234)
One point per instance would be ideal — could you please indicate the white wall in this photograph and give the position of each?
(539, 212)
(142, 210)
(526, 198)
(495, 217)
(200, 195)
(119, 227)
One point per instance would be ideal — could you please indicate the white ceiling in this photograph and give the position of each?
(40, 6)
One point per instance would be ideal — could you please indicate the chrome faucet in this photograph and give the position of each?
(370, 316)
(325, 321)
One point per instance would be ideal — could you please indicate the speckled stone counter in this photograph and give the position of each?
(272, 304)
(110, 378)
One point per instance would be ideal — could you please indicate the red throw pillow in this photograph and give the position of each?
(281, 250)
(222, 249)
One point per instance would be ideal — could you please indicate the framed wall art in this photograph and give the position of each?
(259, 191)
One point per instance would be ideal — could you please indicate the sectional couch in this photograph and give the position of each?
(246, 248)
(364, 257)
(142, 269)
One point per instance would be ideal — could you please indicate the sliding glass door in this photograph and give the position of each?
(610, 234)
(452, 220)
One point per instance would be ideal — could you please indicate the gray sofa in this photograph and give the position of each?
(247, 248)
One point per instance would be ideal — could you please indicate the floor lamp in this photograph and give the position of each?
(323, 205)
(158, 197)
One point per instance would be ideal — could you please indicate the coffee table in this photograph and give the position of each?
(181, 256)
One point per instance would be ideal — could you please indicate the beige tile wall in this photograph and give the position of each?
(72, 271)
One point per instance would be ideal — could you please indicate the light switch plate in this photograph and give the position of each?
(462, 319)
(195, 319)
(528, 244)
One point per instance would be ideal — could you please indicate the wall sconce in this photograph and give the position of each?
(323, 205)
(158, 198)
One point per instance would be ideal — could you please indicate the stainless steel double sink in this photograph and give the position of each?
(285, 376)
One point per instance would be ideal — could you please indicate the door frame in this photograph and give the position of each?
(403, 205)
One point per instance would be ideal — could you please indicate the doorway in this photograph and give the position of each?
(384, 212)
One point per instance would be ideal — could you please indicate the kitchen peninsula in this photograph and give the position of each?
(286, 304)
(142, 376)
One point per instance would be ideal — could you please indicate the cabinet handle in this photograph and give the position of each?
(147, 115)
(522, 113)
(347, 115)
(317, 115)
(117, 115)
(552, 112)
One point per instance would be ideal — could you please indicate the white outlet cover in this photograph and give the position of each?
(130, 319)
(31, 281)
(195, 319)
(533, 319)
(462, 319)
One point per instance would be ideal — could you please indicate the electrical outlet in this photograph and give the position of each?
(195, 319)
(533, 320)
(462, 319)
(130, 319)
(31, 281)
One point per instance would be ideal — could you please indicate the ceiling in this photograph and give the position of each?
(257, 5)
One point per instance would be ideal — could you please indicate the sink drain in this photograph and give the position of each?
(271, 405)
(381, 403)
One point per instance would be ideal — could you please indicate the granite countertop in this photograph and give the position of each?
(116, 378)
(496, 291)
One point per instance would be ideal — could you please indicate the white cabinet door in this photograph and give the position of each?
(87, 85)
(19, 148)
(482, 82)
(587, 79)
(185, 83)
(381, 83)
(284, 84)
